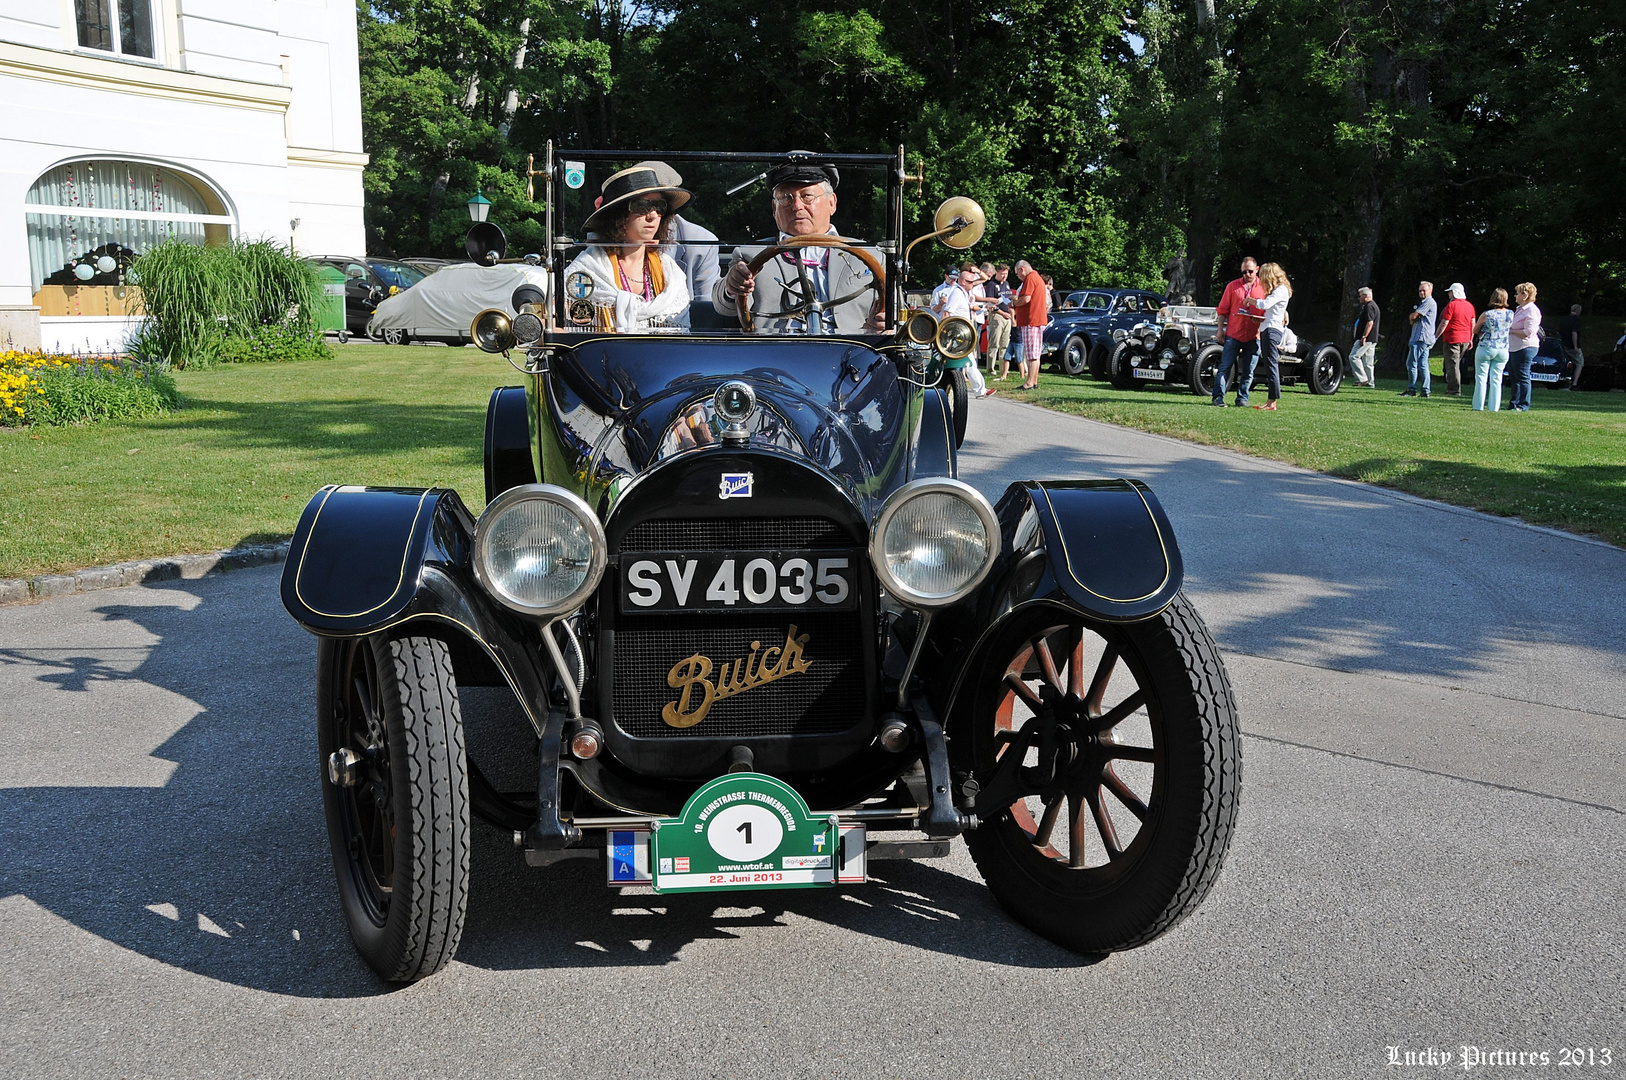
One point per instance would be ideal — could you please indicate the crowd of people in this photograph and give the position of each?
(1010, 320)
(1502, 339)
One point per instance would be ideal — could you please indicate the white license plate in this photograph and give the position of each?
(1542, 376)
(1152, 373)
(627, 856)
(742, 580)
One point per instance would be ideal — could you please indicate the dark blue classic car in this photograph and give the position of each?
(744, 617)
(1080, 332)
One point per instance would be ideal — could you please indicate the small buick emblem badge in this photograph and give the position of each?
(735, 485)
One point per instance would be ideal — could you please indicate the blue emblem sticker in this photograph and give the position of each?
(575, 174)
(579, 286)
(735, 485)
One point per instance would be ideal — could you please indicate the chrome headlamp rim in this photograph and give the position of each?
(543, 493)
(953, 325)
(920, 327)
(901, 498)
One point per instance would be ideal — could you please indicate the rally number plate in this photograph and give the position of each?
(1154, 374)
(824, 580)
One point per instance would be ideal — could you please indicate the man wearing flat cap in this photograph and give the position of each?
(804, 200)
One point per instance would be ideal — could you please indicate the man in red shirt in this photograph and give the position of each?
(1457, 331)
(1239, 332)
(1032, 307)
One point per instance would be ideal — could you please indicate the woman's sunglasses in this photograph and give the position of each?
(640, 207)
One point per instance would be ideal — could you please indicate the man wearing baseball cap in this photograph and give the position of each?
(804, 200)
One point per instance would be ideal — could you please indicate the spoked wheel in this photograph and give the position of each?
(395, 787)
(1107, 765)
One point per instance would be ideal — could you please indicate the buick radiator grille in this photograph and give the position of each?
(826, 699)
(724, 533)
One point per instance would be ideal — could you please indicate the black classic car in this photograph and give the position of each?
(1080, 334)
(1179, 348)
(758, 634)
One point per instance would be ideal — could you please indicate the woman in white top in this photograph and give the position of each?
(1274, 308)
(630, 284)
(1523, 338)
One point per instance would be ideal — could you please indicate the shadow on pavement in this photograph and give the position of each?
(224, 871)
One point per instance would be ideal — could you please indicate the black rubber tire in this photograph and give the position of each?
(1073, 357)
(395, 336)
(1169, 866)
(1119, 367)
(1324, 370)
(1203, 370)
(404, 898)
(959, 394)
(1099, 355)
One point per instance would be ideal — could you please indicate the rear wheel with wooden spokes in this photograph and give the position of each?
(1106, 765)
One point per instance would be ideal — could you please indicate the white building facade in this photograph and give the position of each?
(125, 122)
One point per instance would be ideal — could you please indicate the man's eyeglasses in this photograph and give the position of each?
(640, 207)
(806, 198)
(1249, 272)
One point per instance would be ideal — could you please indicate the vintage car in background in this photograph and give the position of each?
(442, 306)
(1179, 348)
(754, 632)
(1080, 334)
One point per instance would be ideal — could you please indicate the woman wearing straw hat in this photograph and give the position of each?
(631, 285)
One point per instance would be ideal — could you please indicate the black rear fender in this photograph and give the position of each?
(934, 449)
(1102, 548)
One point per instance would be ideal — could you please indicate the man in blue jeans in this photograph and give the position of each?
(1422, 340)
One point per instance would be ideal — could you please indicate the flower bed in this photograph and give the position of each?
(54, 390)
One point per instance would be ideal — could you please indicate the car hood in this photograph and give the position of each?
(620, 405)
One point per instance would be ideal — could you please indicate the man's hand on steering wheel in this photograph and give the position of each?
(741, 279)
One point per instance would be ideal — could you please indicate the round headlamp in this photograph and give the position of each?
(956, 337)
(1184, 345)
(1148, 335)
(539, 550)
(1119, 334)
(934, 541)
(1165, 358)
(527, 328)
(921, 328)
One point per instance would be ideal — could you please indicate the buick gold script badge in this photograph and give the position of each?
(697, 692)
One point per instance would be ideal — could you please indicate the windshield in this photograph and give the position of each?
(400, 275)
(647, 245)
(1086, 301)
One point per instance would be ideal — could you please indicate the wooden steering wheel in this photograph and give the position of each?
(866, 255)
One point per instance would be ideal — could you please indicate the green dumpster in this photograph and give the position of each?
(330, 304)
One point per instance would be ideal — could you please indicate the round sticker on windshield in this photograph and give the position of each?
(581, 312)
(579, 286)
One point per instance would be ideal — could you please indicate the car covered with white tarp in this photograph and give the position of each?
(443, 305)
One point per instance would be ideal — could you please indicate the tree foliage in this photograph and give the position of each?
(1354, 141)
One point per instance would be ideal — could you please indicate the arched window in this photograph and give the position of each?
(88, 219)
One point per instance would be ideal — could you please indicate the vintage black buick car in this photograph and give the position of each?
(759, 634)
(1178, 348)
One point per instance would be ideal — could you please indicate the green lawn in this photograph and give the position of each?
(1561, 464)
(252, 443)
(239, 461)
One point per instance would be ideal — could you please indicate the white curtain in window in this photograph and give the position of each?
(89, 201)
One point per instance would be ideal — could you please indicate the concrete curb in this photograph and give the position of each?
(141, 571)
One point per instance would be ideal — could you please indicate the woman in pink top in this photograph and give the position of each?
(1523, 338)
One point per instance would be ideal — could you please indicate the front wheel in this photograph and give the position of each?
(1326, 369)
(1108, 767)
(954, 381)
(395, 787)
(1073, 356)
(1121, 368)
(396, 336)
(1204, 369)
(1099, 356)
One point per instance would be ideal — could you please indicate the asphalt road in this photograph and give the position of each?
(1430, 854)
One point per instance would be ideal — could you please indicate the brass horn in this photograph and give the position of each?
(493, 331)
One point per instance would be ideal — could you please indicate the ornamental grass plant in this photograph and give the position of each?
(246, 301)
(53, 390)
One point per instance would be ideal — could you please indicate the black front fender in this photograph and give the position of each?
(369, 560)
(1103, 548)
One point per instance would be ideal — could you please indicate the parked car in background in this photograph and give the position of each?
(1180, 347)
(1080, 334)
(363, 289)
(442, 306)
(1551, 366)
